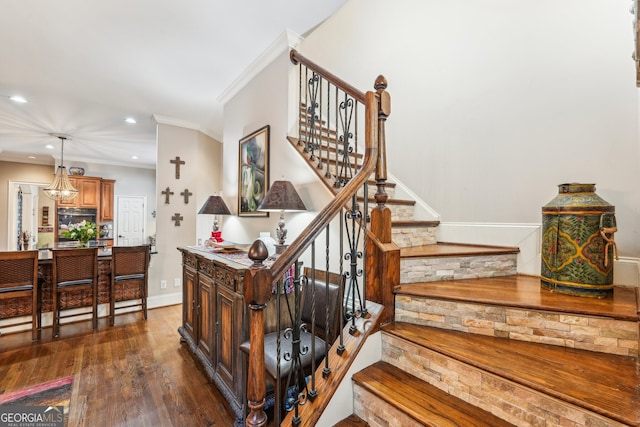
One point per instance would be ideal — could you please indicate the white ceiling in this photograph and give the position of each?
(86, 65)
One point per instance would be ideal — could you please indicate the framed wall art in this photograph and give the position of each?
(253, 172)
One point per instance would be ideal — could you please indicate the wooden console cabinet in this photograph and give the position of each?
(215, 321)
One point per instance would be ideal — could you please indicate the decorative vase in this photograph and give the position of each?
(577, 242)
(83, 243)
(268, 241)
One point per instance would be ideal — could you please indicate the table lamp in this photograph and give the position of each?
(215, 206)
(282, 197)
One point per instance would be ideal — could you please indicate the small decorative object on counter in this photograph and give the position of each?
(82, 232)
(577, 242)
(268, 241)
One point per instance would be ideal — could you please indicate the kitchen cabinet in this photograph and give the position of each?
(215, 321)
(106, 200)
(88, 193)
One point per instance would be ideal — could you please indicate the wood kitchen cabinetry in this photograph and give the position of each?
(88, 193)
(106, 200)
(215, 321)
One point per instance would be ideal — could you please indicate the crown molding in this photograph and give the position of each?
(285, 41)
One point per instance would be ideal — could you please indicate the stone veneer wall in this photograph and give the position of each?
(378, 412)
(505, 399)
(431, 269)
(600, 334)
(406, 237)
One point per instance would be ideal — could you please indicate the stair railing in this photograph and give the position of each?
(322, 112)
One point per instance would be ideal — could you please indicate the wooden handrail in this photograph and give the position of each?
(297, 58)
(259, 279)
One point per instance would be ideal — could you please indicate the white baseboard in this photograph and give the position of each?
(164, 300)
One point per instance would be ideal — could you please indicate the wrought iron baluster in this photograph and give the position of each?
(328, 331)
(354, 232)
(313, 85)
(346, 109)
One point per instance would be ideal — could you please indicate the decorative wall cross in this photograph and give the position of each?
(177, 218)
(167, 193)
(186, 194)
(177, 162)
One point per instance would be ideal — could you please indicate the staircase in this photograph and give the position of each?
(475, 344)
(472, 343)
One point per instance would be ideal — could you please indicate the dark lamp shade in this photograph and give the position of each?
(214, 206)
(282, 196)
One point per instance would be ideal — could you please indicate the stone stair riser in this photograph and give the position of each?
(508, 400)
(566, 330)
(431, 269)
(377, 412)
(406, 237)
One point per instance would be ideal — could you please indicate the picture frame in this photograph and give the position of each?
(253, 172)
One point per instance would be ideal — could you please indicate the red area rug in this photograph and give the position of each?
(51, 393)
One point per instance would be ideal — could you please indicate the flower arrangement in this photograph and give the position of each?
(82, 232)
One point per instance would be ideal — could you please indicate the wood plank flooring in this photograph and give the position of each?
(136, 373)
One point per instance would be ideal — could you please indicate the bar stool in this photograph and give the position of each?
(19, 278)
(74, 270)
(129, 272)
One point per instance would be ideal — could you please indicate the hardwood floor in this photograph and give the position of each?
(136, 373)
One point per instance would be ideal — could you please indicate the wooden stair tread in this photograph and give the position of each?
(455, 249)
(415, 223)
(602, 383)
(524, 291)
(352, 421)
(420, 400)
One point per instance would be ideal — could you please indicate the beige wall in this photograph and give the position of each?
(21, 172)
(265, 101)
(495, 103)
(201, 175)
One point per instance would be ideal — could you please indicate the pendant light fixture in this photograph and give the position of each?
(61, 188)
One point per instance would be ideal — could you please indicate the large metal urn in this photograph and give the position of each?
(577, 242)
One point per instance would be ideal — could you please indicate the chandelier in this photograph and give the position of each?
(61, 188)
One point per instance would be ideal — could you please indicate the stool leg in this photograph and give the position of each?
(95, 304)
(112, 303)
(56, 314)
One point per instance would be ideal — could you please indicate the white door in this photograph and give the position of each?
(130, 221)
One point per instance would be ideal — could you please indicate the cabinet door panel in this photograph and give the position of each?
(106, 200)
(89, 195)
(188, 306)
(225, 340)
(205, 321)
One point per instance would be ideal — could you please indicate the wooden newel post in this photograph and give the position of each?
(382, 257)
(257, 292)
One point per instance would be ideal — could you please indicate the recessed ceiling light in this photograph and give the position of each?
(31, 157)
(130, 120)
(18, 98)
(49, 146)
(134, 157)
